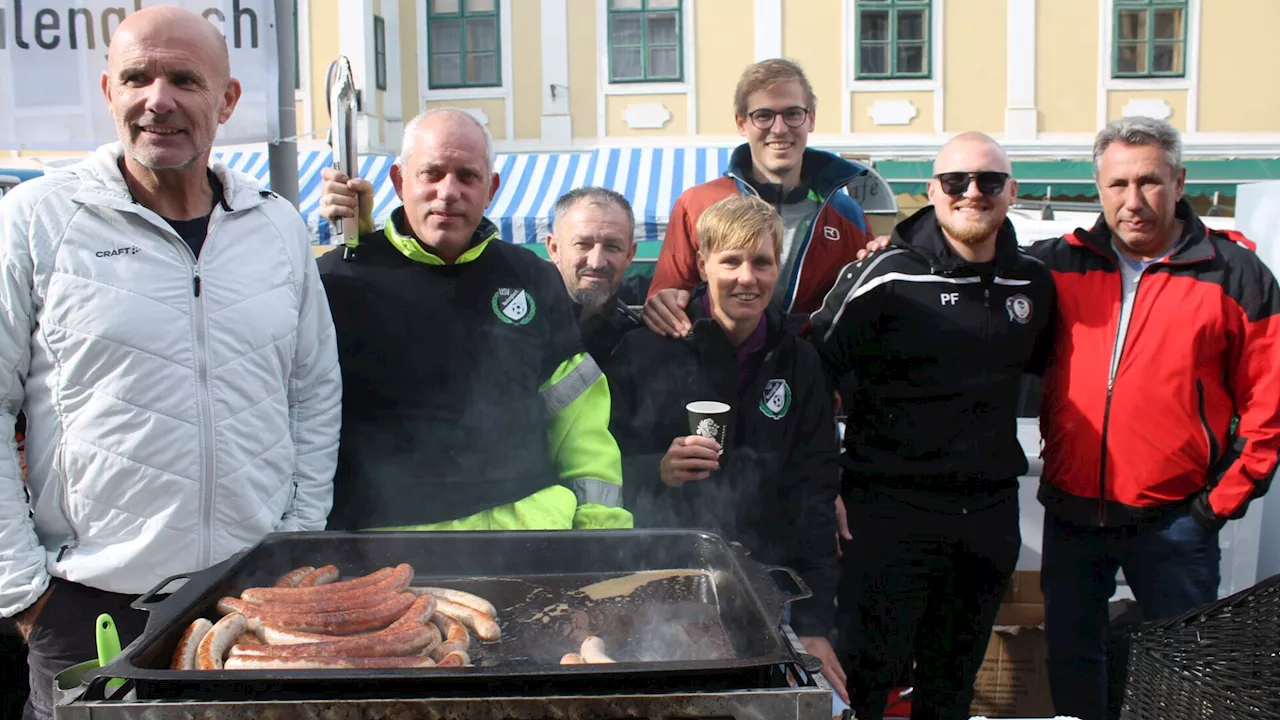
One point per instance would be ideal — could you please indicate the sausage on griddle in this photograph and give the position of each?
(408, 640)
(293, 577)
(184, 658)
(460, 597)
(341, 622)
(593, 651)
(387, 579)
(484, 626)
(326, 575)
(356, 600)
(420, 611)
(457, 658)
(215, 644)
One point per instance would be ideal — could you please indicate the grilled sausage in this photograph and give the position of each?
(420, 611)
(593, 651)
(357, 600)
(184, 657)
(457, 658)
(272, 635)
(326, 575)
(451, 630)
(329, 663)
(385, 580)
(408, 640)
(341, 622)
(484, 626)
(247, 638)
(462, 598)
(572, 659)
(215, 644)
(291, 578)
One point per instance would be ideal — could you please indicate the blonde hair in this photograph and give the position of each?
(767, 74)
(739, 222)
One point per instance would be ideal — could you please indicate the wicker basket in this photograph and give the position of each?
(1220, 661)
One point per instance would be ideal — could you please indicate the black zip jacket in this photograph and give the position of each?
(779, 476)
(937, 347)
(602, 332)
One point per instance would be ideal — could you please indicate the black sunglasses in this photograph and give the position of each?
(957, 183)
(793, 116)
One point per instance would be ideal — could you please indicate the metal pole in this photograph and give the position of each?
(282, 156)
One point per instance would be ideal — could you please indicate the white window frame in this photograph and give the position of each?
(933, 84)
(685, 87)
(1190, 80)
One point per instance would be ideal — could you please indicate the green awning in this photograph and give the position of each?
(1074, 178)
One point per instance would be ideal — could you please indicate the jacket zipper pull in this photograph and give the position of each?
(195, 284)
(61, 552)
(986, 298)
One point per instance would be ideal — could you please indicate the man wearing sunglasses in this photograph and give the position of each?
(774, 108)
(930, 338)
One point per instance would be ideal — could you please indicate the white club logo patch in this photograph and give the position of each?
(830, 233)
(1019, 307)
(514, 306)
(776, 400)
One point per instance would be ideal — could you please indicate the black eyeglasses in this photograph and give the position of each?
(957, 183)
(794, 117)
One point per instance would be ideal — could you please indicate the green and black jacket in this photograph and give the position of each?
(468, 402)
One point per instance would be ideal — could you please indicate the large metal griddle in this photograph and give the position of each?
(717, 627)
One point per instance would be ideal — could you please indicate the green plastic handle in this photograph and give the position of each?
(108, 640)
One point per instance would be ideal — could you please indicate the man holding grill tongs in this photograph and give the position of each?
(470, 403)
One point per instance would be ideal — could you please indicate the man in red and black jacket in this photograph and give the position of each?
(1167, 332)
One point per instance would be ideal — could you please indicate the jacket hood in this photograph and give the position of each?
(102, 178)
(821, 171)
(922, 235)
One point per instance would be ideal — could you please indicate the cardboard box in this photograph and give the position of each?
(1014, 680)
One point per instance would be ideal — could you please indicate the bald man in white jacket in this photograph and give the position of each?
(163, 326)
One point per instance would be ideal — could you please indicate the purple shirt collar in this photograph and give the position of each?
(749, 352)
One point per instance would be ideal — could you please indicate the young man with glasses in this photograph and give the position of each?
(933, 335)
(774, 107)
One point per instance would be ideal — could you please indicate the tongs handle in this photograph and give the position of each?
(342, 101)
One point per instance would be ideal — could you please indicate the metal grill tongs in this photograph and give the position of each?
(343, 100)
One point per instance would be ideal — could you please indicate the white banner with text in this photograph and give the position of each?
(53, 54)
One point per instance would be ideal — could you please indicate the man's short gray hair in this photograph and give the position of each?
(1140, 130)
(411, 133)
(603, 197)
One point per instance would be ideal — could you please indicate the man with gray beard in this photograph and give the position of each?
(592, 242)
(933, 333)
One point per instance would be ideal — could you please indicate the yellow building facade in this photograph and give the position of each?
(894, 78)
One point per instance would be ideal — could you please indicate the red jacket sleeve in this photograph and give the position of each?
(677, 265)
(1255, 389)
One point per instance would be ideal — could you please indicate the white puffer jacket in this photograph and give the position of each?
(172, 421)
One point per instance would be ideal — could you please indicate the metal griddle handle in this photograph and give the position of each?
(144, 601)
(177, 600)
(802, 589)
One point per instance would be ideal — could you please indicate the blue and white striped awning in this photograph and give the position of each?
(528, 190)
(650, 178)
